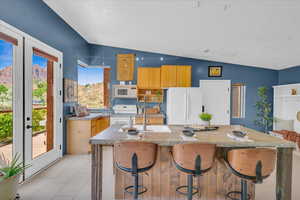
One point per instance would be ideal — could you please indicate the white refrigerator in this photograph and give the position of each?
(184, 106)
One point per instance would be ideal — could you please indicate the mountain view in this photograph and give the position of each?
(91, 95)
(90, 87)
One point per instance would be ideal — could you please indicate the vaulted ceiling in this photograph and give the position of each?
(261, 33)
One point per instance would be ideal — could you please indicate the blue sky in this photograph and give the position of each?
(6, 56)
(89, 75)
(39, 61)
(85, 75)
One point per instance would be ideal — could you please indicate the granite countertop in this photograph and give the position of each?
(112, 135)
(90, 116)
(105, 114)
(151, 115)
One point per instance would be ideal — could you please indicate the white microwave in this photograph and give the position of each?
(124, 91)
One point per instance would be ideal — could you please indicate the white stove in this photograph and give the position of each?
(122, 114)
(125, 109)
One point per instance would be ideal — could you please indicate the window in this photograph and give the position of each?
(93, 87)
(238, 100)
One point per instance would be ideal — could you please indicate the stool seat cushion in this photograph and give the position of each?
(244, 161)
(185, 154)
(145, 151)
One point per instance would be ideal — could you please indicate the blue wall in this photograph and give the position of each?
(35, 18)
(252, 77)
(289, 76)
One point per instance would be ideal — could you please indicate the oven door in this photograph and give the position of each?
(121, 92)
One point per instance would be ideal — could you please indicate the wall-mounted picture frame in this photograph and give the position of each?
(70, 90)
(215, 71)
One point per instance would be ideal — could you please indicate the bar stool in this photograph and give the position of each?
(135, 158)
(194, 160)
(253, 164)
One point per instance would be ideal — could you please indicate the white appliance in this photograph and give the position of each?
(124, 91)
(184, 105)
(216, 100)
(122, 114)
(125, 109)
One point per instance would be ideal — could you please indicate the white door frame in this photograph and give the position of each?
(19, 130)
(17, 91)
(47, 158)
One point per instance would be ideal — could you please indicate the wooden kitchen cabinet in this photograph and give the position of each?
(80, 130)
(184, 76)
(168, 76)
(150, 120)
(176, 76)
(148, 78)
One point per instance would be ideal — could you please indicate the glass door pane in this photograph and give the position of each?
(11, 93)
(42, 105)
(6, 99)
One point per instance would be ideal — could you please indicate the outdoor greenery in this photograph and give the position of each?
(5, 97)
(264, 117)
(6, 124)
(40, 91)
(6, 119)
(6, 127)
(205, 117)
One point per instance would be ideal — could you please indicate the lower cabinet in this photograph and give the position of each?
(79, 131)
(157, 120)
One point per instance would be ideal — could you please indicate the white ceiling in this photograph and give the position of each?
(262, 33)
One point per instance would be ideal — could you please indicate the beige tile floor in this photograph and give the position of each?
(69, 179)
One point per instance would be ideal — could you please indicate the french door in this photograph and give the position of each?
(43, 105)
(30, 99)
(11, 93)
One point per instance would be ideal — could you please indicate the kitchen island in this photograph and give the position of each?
(163, 178)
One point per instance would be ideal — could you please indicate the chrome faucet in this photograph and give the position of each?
(145, 115)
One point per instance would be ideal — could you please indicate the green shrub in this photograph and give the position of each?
(37, 116)
(6, 126)
(205, 116)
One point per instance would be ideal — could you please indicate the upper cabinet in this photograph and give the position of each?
(176, 76)
(184, 76)
(149, 78)
(168, 76)
(125, 67)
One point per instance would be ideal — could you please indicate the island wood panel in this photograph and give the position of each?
(163, 179)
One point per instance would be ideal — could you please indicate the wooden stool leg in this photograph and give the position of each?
(284, 174)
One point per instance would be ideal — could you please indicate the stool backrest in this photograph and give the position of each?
(145, 151)
(245, 161)
(185, 155)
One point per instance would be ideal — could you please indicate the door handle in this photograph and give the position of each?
(29, 127)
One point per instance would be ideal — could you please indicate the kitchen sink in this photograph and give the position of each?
(153, 128)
